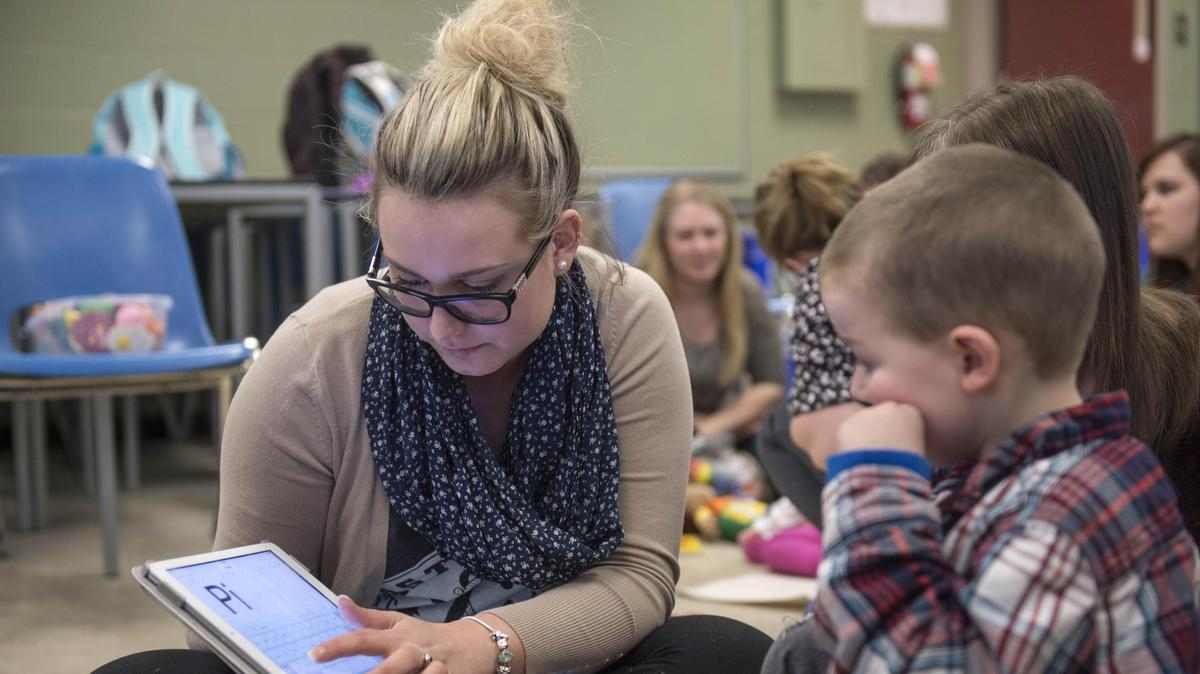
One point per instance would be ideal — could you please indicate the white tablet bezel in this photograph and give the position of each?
(213, 628)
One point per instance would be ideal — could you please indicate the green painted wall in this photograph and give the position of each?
(63, 57)
(1177, 54)
(853, 128)
(661, 85)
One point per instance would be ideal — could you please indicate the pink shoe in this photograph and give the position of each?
(752, 546)
(795, 551)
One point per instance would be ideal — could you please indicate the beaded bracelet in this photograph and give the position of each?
(504, 657)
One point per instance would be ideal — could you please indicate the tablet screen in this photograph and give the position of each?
(273, 607)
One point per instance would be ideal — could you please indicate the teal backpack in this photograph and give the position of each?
(168, 125)
(371, 90)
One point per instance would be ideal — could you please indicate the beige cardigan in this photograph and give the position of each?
(296, 467)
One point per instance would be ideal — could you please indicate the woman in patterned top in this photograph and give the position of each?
(796, 210)
(483, 445)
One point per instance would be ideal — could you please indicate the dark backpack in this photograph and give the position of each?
(310, 131)
(334, 106)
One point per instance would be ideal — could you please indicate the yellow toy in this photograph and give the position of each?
(690, 544)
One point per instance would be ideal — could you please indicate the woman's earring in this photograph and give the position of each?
(562, 265)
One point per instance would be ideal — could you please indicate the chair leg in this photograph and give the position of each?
(267, 306)
(58, 414)
(239, 272)
(21, 461)
(129, 423)
(221, 401)
(3, 534)
(87, 445)
(217, 298)
(349, 228)
(38, 470)
(286, 252)
(106, 479)
(176, 420)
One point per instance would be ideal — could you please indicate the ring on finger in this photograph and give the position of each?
(426, 660)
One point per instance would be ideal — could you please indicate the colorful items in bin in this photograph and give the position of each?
(738, 515)
(709, 444)
(729, 472)
(725, 517)
(99, 324)
(696, 495)
(705, 522)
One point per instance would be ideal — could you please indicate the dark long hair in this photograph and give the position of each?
(1069, 125)
(1170, 347)
(1165, 272)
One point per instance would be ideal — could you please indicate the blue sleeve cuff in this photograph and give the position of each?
(879, 457)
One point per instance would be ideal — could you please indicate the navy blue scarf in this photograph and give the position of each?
(543, 508)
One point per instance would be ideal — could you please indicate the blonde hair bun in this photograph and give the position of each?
(489, 107)
(522, 42)
(800, 203)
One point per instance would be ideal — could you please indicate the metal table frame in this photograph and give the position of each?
(272, 199)
(28, 395)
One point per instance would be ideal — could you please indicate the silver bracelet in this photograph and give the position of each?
(504, 657)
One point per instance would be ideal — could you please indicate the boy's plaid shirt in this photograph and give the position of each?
(1061, 550)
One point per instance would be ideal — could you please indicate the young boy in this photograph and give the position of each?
(966, 288)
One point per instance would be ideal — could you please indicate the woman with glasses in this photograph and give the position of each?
(484, 446)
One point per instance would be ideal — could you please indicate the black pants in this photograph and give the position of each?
(701, 644)
(796, 652)
(789, 467)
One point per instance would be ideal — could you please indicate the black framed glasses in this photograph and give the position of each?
(478, 308)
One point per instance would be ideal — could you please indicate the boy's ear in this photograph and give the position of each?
(978, 354)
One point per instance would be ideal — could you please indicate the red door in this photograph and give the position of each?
(1089, 38)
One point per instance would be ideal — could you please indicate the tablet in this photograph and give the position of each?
(258, 608)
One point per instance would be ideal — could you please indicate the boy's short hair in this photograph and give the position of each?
(978, 235)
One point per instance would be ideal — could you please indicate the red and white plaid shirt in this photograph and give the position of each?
(1061, 550)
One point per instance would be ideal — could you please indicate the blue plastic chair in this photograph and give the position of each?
(1143, 253)
(75, 225)
(629, 205)
(756, 260)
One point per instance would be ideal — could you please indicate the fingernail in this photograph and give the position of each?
(316, 654)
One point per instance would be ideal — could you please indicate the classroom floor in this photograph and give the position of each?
(59, 614)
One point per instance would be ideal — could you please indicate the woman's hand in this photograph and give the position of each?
(744, 415)
(404, 642)
(705, 425)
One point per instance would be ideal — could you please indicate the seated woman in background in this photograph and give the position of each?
(1170, 180)
(796, 210)
(733, 353)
